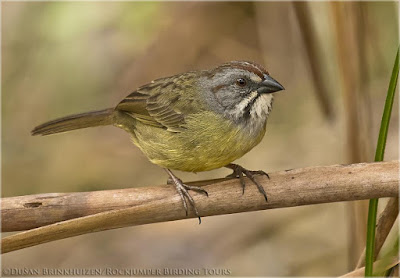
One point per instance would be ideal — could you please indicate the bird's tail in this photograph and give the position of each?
(77, 121)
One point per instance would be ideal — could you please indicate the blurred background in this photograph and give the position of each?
(334, 59)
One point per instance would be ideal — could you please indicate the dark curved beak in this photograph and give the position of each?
(269, 85)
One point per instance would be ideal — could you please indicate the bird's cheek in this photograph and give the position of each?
(226, 100)
(219, 99)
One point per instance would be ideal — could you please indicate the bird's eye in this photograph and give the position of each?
(241, 82)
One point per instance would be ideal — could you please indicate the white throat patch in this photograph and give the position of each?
(262, 106)
(255, 113)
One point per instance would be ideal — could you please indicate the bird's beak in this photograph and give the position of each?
(269, 85)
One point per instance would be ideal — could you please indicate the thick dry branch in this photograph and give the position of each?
(104, 210)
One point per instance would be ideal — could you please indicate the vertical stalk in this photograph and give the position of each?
(379, 154)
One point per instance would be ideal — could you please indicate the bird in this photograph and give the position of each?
(194, 121)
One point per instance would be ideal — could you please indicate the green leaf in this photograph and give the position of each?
(379, 154)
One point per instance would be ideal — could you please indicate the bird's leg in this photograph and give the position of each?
(183, 192)
(238, 172)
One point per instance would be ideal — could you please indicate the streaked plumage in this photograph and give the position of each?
(195, 121)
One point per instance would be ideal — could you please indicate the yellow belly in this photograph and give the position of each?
(208, 142)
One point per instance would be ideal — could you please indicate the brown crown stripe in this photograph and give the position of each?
(249, 66)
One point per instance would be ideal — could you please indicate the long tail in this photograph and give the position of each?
(77, 121)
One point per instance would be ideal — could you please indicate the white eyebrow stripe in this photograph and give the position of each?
(255, 78)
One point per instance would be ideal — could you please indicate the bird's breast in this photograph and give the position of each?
(209, 141)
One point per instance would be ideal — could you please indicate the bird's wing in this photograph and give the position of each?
(158, 104)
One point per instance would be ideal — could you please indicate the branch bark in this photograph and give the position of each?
(103, 210)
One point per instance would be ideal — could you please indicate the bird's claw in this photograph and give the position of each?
(240, 172)
(183, 191)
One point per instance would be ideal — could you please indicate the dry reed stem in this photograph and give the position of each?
(384, 226)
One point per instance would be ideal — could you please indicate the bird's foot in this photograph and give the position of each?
(183, 192)
(239, 172)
